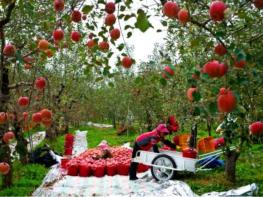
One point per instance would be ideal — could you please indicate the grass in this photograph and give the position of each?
(249, 170)
(26, 179)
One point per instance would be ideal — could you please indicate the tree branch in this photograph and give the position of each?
(10, 8)
(16, 85)
(253, 39)
(209, 30)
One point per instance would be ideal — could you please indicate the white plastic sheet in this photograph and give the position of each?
(57, 183)
(98, 125)
(80, 142)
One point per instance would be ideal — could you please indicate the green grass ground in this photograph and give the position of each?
(249, 167)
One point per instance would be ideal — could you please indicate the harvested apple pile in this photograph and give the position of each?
(88, 164)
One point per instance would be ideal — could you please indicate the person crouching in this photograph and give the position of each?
(145, 142)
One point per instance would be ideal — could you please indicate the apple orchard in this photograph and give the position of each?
(52, 51)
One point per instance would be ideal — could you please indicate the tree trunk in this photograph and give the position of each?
(4, 99)
(6, 157)
(209, 126)
(21, 146)
(230, 166)
(5, 151)
(51, 131)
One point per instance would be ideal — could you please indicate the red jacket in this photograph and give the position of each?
(146, 140)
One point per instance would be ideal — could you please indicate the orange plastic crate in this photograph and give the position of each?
(183, 140)
(205, 145)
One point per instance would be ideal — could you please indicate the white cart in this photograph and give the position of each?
(165, 164)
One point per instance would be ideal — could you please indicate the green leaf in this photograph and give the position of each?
(163, 81)
(120, 47)
(220, 34)
(121, 16)
(19, 57)
(99, 79)
(142, 22)
(87, 9)
(138, 80)
(129, 34)
(122, 8)
(127, 17)
(196, 111)
(127, 27)
(111, 84)
(212, 107)
(196, 96)
(194, 42)
(164, 23)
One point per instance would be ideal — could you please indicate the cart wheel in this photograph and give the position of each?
(162, 174)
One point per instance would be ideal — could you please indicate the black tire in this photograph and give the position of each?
(173, 172)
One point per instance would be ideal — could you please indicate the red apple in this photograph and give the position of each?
(40, 83)
(104, 46)
(23, 101)
(91, 35)
(215, 69)
(190, 92)
(258, 4)
(36, 117)
(75, 36)
(169, 70)
(9, 50)
(84, 17)
(183, 16)
(76, 16)
(222, 69)
(220, 50)
(43, 44)
(115, 34)
(126, 62)
(239, 64)
(171, 9)
(25, 116)
(29, 60)
(195, 76)
(8, 136)
(226, 101)
(110, 19)
(47, 122)
(49, 53)
(3, 117)
(27, 66)
(164, 75)
(217, 10)
(91, 43)
(46, 114)
(256, 128)
(4, 168)
(110, 7)
(59, 5)
(58, 35)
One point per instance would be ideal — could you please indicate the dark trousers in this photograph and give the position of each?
(134, 165)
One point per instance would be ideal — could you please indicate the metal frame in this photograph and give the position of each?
(146, 158)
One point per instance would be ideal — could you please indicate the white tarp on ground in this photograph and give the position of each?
(99, 125)
(56, 183)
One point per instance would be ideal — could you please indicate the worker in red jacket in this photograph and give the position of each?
(146, 141)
